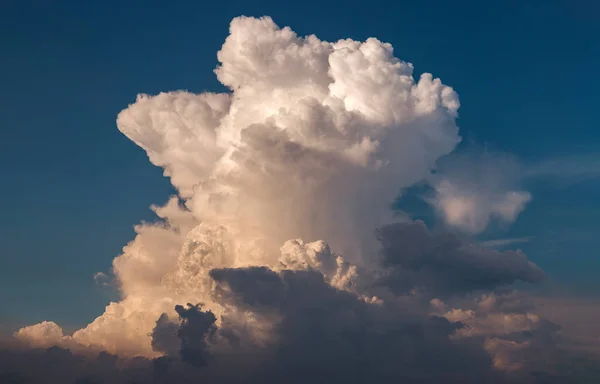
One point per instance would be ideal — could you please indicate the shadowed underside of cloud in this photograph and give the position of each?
(326, 333)
(446, 264)
(320, 333)
(317, 333)
(314, 141)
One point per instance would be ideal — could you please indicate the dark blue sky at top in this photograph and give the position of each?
(72, 186)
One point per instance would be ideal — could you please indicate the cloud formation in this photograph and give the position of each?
(314, 141)
(474, 190)
(281, 185)
(445, 264)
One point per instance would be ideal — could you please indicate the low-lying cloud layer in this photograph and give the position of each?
(280, 259)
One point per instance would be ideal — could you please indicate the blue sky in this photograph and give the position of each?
(73, 186)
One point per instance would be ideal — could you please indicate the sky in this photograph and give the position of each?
(74, 186)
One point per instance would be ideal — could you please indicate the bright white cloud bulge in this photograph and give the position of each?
(314, 141)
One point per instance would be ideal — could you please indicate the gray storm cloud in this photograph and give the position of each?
(281, 184)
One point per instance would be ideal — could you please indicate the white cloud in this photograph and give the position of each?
(472, 210)
(477, 188)
(44, 334)
(473, 190)
(314, 141)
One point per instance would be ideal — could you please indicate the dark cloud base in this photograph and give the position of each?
(60, 366)
(326, 335)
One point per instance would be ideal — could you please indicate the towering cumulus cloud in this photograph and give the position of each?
(281, 237)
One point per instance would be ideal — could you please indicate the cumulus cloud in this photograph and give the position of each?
(446, 264)
(519, 339)
(281, 183)
(44, 334)
(476, 189)
(314, 141)
(472, 212)
(323, 331)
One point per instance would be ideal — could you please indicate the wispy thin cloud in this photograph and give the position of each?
(498, 243)
(570, 169)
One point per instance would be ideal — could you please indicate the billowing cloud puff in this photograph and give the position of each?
(281, 183)
(472, 212)
(314, 141)
(472, 191)
(296, 255)
(312, 133)
(44, 334)
(475, 188)
(512, 333)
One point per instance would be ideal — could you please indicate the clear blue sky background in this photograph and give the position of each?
(72, 186)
